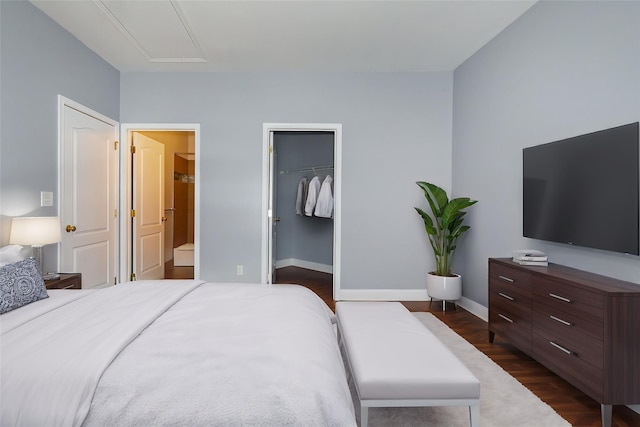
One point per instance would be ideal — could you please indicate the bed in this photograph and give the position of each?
(174, 352)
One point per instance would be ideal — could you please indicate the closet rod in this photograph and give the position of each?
(309, 169)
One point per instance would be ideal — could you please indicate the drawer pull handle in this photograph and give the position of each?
(560, 298)
(506, 279)
(561, 348)
(510, 298)
(68, 286)
(557, 319)
(505, 318)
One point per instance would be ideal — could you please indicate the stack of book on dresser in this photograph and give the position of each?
(530, 257)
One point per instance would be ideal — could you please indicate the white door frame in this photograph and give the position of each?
(66, 102)
(267, 174)
(126, 181)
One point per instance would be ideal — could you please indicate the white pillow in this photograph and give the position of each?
(9, 254)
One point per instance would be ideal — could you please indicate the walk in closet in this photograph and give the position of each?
(305, 229)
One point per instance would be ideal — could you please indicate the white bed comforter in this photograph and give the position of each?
(178, 353)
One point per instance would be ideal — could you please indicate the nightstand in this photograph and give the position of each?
(66, 281)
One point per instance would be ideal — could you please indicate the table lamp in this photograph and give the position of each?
(37, 232)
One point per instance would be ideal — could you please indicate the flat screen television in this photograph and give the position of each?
(584, 190)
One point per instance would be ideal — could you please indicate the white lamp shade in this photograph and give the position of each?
(35, 231)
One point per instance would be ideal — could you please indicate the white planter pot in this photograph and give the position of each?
(444, 288)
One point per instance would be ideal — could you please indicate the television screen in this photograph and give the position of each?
(584, 190)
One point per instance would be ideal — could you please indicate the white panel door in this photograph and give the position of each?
(149, 220)
(88, 198)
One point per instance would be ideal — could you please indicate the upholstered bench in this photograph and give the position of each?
(395, 361)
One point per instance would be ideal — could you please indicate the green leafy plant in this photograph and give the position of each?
(445, 228)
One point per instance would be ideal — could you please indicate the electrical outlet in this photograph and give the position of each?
(46, 198)
(239, 270)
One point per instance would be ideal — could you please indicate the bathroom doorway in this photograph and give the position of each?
(171, 252)
(179, 247)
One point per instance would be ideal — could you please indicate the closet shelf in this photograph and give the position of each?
(309, 169)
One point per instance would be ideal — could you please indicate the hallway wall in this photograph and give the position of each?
(396, 130)
(41, 60)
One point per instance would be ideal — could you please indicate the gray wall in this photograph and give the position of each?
(39, 61)
(306, 238)
(396, 130)
(563, 69)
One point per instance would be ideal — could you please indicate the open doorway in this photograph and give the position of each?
(303, 236)
(179, 242)
(291, 239)
(162, 196)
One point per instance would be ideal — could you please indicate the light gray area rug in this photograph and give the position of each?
(504, 402)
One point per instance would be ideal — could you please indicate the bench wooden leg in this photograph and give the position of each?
(474, 415)
(364, 415)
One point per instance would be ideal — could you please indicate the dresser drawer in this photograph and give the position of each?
(511, 320)
(509, 292)
(517, 333)
(516, 278)
(566, 298)
(582, 345)
(518, 310)
(574, 321)
(570, 366)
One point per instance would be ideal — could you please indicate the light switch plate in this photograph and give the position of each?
(46, 198)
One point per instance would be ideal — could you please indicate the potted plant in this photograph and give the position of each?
(443, 229)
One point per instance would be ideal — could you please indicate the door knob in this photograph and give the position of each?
(276, 218)
(164, 219)
(70, 228)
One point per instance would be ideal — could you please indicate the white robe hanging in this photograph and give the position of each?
(324, 204)
(301, 196)
(312, 196)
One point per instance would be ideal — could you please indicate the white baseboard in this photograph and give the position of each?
(294, 262)
(407, 295)
(382, 295)
(473, 307)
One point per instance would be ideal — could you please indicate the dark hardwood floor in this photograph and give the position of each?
(573, 405)
(173, 272)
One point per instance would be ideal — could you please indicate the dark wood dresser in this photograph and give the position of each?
(582, 326)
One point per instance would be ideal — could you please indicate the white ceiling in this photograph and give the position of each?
(298, 35)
